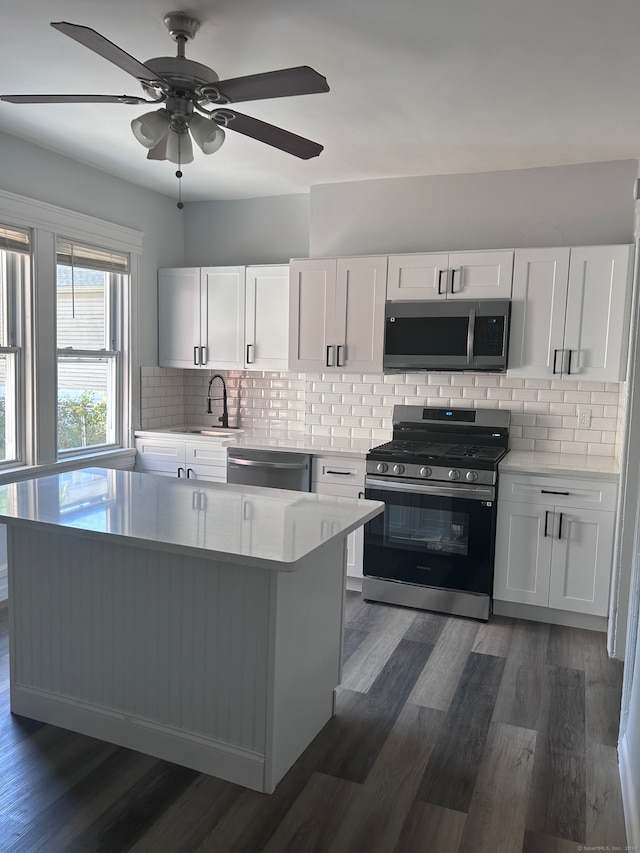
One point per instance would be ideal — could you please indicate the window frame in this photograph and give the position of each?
(39, 363)
(116, 287)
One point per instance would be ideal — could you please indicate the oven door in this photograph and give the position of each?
(437, 535)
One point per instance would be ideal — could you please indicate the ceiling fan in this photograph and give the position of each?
(194, 98)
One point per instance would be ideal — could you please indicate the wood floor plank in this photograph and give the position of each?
(557, 805)
(363, 725)
(497, 814)
(521, 690)
(313, 820)
(536, 842)
(451, 774)
(352, 639)
(82, 804)
(605, 815)
(367, 661)
(191, 818)
(494, 637)
(427, 628)
(431, 829)
(377, 815)
(123, 822)
(438, 682)
(603, 693)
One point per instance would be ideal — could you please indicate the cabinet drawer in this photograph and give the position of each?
(558, 491)
(205, 453)
(340, 490)
(161, 450)
(339, 472)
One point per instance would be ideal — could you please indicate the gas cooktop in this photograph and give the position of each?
(443, 444)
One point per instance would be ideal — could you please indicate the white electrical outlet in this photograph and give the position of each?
(584, 418)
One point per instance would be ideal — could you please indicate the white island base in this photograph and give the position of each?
(226, 668)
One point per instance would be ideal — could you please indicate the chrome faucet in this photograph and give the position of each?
(224, 418)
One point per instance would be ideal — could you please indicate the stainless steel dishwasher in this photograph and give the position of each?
(273, 469)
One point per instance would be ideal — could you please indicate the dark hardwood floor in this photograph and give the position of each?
(451, 735)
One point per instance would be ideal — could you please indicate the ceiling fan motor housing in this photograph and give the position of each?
(180, 74)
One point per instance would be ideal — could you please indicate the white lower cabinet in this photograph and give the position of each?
(191, 460)
(342, 477)
(554, 542)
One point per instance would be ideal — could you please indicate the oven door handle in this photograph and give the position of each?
(475, 493)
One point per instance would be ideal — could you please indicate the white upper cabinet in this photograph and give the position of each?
(179, 332)
(454, 275)
(266, 335)
(570, 312)
(224, 318)
(337, 314)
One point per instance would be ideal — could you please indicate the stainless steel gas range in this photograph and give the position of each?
(433, 546)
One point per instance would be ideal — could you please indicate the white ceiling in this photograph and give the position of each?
(417, 87)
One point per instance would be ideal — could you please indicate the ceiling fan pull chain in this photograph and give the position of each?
(180, 205)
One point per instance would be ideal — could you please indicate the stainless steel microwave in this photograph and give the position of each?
(447, 335)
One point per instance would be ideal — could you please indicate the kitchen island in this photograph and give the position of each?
(196, 622)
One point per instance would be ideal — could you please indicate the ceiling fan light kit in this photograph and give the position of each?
(191, 95)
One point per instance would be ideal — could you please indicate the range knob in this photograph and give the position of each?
(425, 472)
(471, 476)
(454, 475)
(381, 467)
(398, 469)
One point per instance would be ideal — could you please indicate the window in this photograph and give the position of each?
(90, 283)
(14, 277)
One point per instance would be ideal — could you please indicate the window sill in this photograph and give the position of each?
(121, 458)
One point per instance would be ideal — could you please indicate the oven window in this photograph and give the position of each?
(439, 531)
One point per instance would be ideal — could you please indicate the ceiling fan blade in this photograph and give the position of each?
(73, 99)
(263, 132)
(272, 84)
(159, 151)
(107, 49)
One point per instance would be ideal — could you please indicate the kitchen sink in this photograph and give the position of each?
(218, 431)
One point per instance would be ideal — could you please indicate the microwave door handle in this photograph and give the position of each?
(470, 335)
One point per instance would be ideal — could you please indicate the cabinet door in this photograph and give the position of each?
(480, 275)
(581, 561)
(523, 553)
(160, 456)
(311, 314)
(540, 281)
(359, 318)
(179, 317)
(267, 318)
(206, 460)
(596, 328)
(413, 277)
(223, 317)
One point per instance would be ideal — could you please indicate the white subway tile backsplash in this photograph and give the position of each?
(543, 412)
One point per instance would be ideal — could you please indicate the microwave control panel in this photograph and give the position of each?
(489, 336)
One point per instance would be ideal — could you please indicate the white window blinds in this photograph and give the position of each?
(72, 254)
(14, 239)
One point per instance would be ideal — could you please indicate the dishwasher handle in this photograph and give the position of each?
(293, 466)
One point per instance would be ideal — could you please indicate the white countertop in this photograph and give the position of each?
(516, 461)
(567, 464)
(294, 440)
(265, 528)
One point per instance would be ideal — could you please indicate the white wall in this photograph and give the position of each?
(253, 231)
(37, 173)
(588, 204)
